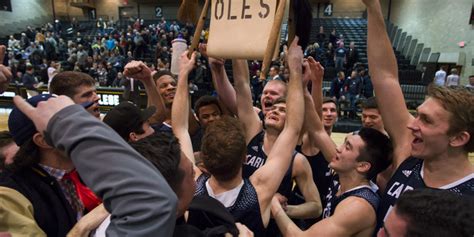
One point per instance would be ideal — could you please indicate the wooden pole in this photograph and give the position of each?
(274, 35)
(199, 27)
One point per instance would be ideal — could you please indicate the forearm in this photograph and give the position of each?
(295, 102)
(305, 210)
(379, 49)
(285, 224)
(154, 99)
(317, 94)
(134, 192)
(224, 88)
(180, 110)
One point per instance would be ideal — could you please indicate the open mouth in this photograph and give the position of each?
(268, 104)
(417, 140)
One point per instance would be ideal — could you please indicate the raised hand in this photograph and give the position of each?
(137, 70)
(295, 56)
(317, 70)
(186, 64)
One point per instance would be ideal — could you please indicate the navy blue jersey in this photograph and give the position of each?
(409, 176)
(321, 177)
(246, 208)
(256, 158)
(365, 192)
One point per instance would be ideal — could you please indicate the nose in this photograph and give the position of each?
(96, 97)
(413, 125)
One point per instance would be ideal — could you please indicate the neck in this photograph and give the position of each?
(351, 180)
(54, 159)
(328, 130)
(446, 168)
(269, 139)
(223, 186)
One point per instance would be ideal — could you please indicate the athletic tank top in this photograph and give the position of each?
(365, 192)
(256, 158)
(409, 176)
(246, 208)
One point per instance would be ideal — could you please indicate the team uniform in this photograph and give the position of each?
(241, 202)
(409, 176)
(256, 158)
(366, 192)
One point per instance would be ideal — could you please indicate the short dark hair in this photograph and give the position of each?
(377, 151)
(5, 139)
(161, 73)
(329, 100)
(65, 83)
(223, 148)
(164, 152)
(369, 103)
(431, 212)
(280, 100)
(204, 101)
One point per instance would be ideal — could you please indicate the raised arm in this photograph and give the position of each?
(317, 74)
(268, 177)
(384, 75)
(140, 71)
(317, 136)
(245, 109)
(221, 82)
(180, 108)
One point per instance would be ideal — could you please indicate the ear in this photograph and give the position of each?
(363, 167)
(132, 137)
(38, 139)
(460, 139)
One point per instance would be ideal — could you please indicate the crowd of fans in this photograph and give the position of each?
(224, 166)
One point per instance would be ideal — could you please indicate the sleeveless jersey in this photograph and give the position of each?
(256, 158)
(246, 208)
(409, 176)
(365, 192)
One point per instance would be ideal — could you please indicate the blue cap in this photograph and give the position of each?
(20, 126)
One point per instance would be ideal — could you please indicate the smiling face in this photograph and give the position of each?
(86, 93)
(271, 92)
(329, 115)
(347, 154)
(167, 88)
(208, 114)
(430, 130)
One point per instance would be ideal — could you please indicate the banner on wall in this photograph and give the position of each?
(5, 5)
(240, 28)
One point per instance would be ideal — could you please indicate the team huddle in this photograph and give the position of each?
(226, 167)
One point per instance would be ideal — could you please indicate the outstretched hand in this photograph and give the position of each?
(295, 56)
(44, 111)
(137, 70)
(213, 62)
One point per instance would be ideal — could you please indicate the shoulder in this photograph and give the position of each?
(356, 210)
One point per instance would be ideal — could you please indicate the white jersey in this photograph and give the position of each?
(440, 78)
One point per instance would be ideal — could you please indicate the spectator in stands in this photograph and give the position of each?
(333, 37)
(352, 87)
(321, 36)
(340, 57)
(367, 87)
(329, 56)
(352, 56)
(30, 82)
(274, 73)
(471, 82)
(337, 86)
(453, 79)
(430, 212)
(13, 43)
(440, 76)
